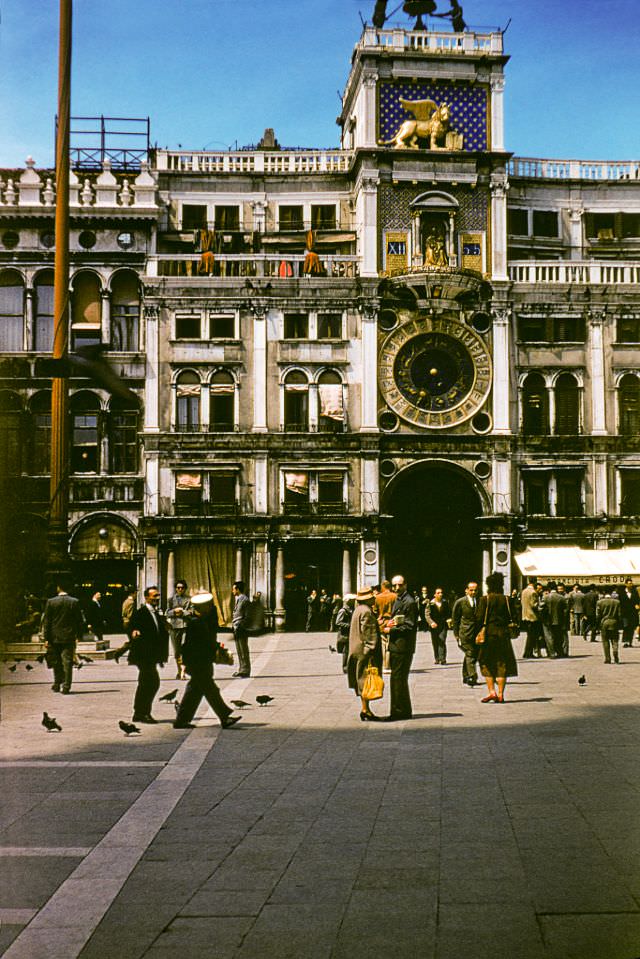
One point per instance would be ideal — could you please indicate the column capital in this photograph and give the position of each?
(151, 312)
(498, 84)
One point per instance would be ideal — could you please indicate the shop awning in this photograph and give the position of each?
(570, 563)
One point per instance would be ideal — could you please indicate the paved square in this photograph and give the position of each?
(472, 831)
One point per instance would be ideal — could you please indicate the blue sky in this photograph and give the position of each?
(211, 73)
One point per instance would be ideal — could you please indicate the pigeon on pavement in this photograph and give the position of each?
(50, 723)
(240, 703)
(128, 728)
(169, 697)
(29, 667)
(263, 700)
(332, 649)
(582, 681)
(85, 659)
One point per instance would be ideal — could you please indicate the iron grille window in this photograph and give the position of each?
(125, 325)
(227, 218)
(43, 332)
(532, 329)
(323, 216)
(568, 329)
(188, 326)
(222, 326)
(222, 489)
(11, 312)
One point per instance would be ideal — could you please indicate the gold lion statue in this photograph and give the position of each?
(431, 123)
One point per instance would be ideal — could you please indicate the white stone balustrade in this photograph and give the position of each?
(254, 161)
(273, 265)
(591, 272)
(545, 169)
(105, 191)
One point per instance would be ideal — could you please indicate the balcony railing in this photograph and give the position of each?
(258, 161)
(574, 271)
(540, 169)
(432, 41)
(284, 266)
(314, 509)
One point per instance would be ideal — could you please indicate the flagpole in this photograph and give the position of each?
(58, 559)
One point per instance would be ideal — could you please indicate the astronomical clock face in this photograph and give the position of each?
(434, 373)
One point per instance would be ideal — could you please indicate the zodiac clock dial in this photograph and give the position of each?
(434, 372)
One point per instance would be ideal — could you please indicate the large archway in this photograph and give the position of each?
(432, 530)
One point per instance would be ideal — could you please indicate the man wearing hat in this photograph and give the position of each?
(198, 654)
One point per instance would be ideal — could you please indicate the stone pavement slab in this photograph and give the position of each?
(511, 832)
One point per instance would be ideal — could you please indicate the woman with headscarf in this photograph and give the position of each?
(365, 648)
(495, 653)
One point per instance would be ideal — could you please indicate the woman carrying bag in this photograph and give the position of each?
(495, 653)
(365, 651)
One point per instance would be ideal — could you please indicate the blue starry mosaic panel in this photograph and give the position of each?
(468, 109)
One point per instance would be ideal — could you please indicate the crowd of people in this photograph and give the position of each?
(376, 630)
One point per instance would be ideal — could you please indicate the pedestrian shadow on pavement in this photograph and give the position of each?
(535, 699)
(435, 715)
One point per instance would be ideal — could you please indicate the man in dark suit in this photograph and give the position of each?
(239, 623)
(629, 606)
(463, 621)
(589, 603)
(558, 612)
(62, 627)
(608, 619)
(438, 614)
(95, 616)
(401, 629)
(148, 649)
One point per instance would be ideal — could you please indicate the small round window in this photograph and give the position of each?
(388, 319)
(10, 239)
(482, 470)
(387, 468)
(125, 240)
(481, 423)
(48, 239)
(87, 239)
(388, 421)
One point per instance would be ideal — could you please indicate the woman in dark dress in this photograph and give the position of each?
(365, 648)
(495, 654)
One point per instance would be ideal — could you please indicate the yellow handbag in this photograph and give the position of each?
(373, 684)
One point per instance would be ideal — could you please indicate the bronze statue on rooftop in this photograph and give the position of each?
(418, 9)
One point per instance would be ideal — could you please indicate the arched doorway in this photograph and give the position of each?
(104, 558)
(432, 530)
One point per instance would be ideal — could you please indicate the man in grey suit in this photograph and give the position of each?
(62, 627)
(463, 621)
(608, 619)
(239, 623)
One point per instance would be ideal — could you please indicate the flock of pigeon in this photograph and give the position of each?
(51, 724)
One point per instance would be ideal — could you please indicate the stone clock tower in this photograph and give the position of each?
(423, 111)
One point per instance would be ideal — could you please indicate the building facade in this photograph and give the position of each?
(412, 352)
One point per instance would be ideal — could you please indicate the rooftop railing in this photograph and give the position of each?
(258, 161)
(539, 169)
(284, 266)
(432, 41)
(585, 272)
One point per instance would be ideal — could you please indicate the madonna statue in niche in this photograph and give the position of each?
(434, 250)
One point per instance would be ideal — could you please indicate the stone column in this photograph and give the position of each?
(259, 370)
(367, 115)
(499, 189)
(151, 565)
(486, 567)
(575, 232)
(239, 563)
(369, 564)
(369, 379)
(595, 364)
(501, 371)
(279, 612)
(260, 483)
(367, 207)
(502, 485)
(29, 332)
(151, 387)
(497, 113)
(600, 486)
(171, 573)
(313, 408)
(369, 485)
(346, 571)
(261, 571)
(152, 485)
(551, 401)
(105, 316)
